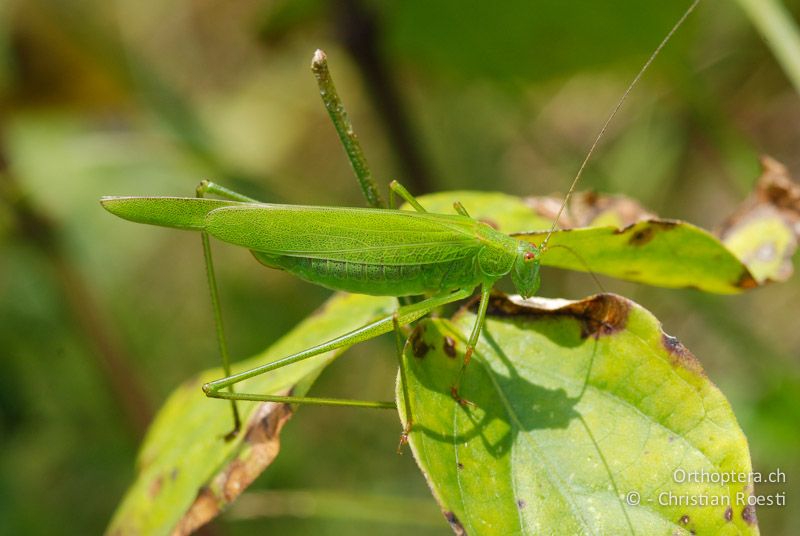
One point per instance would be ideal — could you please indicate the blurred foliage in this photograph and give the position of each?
(100, 319)
(179, 460)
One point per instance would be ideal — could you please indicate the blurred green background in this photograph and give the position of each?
(100, 318)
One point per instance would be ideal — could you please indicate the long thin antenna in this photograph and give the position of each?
(613, 114)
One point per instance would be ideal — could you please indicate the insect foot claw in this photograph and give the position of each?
(457, 398)
(404, 438)
(403, 442)
(232, 434)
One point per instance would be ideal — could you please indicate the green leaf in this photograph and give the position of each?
(762, 242)
(576, 406)
(665, 253)
(186, 471)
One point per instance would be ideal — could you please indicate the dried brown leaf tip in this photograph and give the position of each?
(764, 231)
(591, 209)
(257, 451)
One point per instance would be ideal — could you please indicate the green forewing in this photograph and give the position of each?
(178, 212)
(365, 236)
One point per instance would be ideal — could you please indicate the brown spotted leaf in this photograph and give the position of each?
(581, 415)
(663, 253)
(186, 471)
(764, 232)
(616, 236)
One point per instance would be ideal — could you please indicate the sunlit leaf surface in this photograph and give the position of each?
(639, 247)
(581, 413)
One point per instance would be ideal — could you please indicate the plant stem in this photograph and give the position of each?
(780, 32)
(338, 114)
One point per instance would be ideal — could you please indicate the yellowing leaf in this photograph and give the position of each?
(584, 418)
